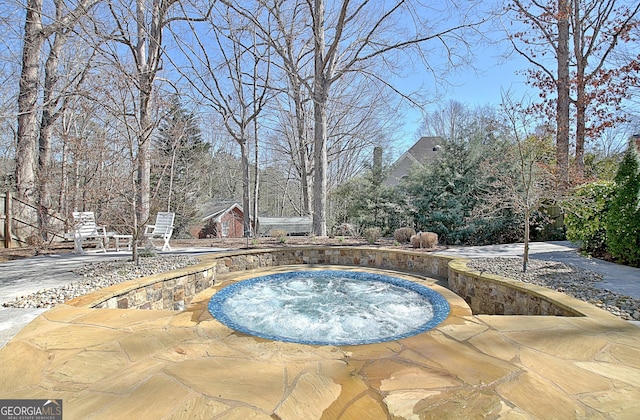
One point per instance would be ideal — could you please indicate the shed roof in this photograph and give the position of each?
(216, 210)
(291, 225)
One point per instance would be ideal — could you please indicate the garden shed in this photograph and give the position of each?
(291, 225)
(223, 220)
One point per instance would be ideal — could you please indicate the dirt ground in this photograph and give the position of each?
(241, 243)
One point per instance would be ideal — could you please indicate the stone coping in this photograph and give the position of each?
(199, 305)
(415, 286)
(128, 363)
(545, 301)
(562, 304)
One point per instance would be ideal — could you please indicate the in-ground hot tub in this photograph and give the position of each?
(329, 307)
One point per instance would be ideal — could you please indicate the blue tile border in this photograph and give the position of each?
(441, 308)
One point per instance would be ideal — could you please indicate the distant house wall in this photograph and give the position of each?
(232, 225)
(420, 154)
(226, 225)
(401, 169)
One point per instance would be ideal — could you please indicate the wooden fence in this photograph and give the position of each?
(23, 224)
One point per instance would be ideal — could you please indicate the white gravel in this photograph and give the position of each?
(98, 275)
(565, 278)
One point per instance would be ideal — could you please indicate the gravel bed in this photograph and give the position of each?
(98, 275)
(565, 278)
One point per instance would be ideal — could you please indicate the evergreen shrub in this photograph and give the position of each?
(586, 215)
(623, 217)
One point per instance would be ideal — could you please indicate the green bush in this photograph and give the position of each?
(586, 215)
(623, 217)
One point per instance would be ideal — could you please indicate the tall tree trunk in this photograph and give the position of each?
(256, 185)
(580, 103)
(49, 116)
(78, 205)
(562, 108)
(46, 134)
(143, 205)
(320, 96)
(35, 34)
(527, 230)
(145, 80)
(320, 169)
(246, 205)
(63, 191)
(302, 151)
(581, 111)
(27, 134)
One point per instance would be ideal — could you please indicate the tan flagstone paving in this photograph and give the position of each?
(115, 363)
(494, 344)
(312, 393)
(622, 404)
(540, 398)
(195, 407)
(616, 371)
(367, 406)
(461, 403)
(570, 378)
(627, 355)
(153, 399)
(22, 367)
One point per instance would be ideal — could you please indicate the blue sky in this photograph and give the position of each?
(493, 75)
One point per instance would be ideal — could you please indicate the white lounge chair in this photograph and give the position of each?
(163, 228)
(86, 230)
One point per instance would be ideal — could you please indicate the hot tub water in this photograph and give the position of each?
(329, 307)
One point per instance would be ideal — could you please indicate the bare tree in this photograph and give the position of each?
(122, 131)
(598, 29)
(293, 45)
(360, 34)
(369, 38)
(145, 45)
(448, 121)
(291, 142)
(36, 32)
(232, 77)
(360, 116)
(65, 71)
(10, 46)
(523, 179)
(579, 37)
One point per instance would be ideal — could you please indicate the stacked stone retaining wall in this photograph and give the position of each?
(485, 294)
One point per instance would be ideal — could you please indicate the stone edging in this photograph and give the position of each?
(485, 293)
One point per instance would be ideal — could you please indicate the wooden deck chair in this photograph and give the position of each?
(85, 230)
(163, 228)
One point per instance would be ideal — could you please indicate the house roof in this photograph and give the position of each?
(422, 152)
(216, 210)
(425, 148)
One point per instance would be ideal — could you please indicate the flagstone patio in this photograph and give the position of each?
(128, 363)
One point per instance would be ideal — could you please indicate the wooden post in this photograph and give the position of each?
(7, 220)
